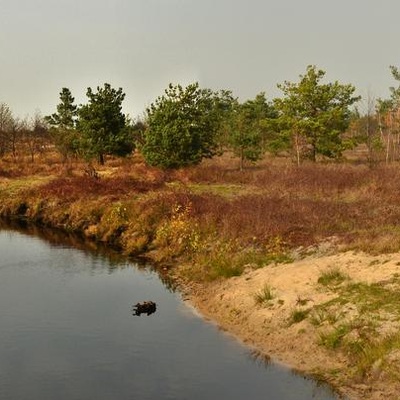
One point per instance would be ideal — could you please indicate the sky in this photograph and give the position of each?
(245, 46)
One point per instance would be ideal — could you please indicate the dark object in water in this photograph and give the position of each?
(146, 307)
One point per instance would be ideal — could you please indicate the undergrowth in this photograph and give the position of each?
(213, 216)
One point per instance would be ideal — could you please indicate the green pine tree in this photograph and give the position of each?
(102, 124)
(315, 115)
(182, 127)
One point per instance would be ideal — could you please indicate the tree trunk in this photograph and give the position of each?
(314, 150)
(297, 149)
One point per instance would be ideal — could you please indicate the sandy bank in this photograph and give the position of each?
(270, 327)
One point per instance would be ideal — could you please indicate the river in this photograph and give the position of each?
(67, 333)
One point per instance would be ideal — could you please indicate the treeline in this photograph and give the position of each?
(311, 120)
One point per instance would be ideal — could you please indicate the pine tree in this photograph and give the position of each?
(63, 123)
(66, 111)
(103, 125)
(315, 115)
(182, 127)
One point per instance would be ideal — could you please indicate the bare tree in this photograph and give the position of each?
(6, 121)
(370, 131)
(388, 111)
(36, 136)
(15, 135)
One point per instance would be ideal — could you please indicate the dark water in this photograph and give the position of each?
(67, 332)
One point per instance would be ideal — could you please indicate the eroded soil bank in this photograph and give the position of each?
(310, 325)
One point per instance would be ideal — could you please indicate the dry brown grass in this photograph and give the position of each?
(275, 201)
(307, 204)
(81, 186)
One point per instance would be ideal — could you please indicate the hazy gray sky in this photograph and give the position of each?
(142, 45)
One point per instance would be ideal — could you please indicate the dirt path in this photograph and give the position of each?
(271, 326)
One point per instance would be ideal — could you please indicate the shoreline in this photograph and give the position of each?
(230, 305)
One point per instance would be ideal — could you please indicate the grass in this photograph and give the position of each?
(301, 205)
(332, 277)
(298, 315)
(263, 212)
(370, 335)
(377, 352)
(266, 210)
(264, 295)
(334, 338)
(225, 190)
(373, 297)
(322, 314)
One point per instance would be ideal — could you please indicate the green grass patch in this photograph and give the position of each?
(298, 315)
(332, 277)
(373, 352)
(372, 297)
(265, 295)
(323, 314)
(334, 338)
(14, 186)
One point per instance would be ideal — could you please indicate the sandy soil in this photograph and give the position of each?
(231, 304)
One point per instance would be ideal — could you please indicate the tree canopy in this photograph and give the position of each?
(187, 124)
(249, 128)
(103, 125)
(182, 127)
(65, 117)
(314, 115)
(63, 124)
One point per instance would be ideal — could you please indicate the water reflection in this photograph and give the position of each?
(260, 359)
(99, 252)
(63, 239)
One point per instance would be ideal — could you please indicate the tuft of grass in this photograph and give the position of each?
(332, 277)
(265, 295)
(298, 315)
(323, 314)
(334, 339)
(318, 316)
(371, 353)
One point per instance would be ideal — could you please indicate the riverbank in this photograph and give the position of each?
(275, 255)
(318, 329)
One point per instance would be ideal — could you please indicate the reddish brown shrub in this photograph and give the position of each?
(77, 187)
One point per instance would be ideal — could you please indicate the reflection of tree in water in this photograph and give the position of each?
(61, 238)
(162, 272)
(97, 251)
